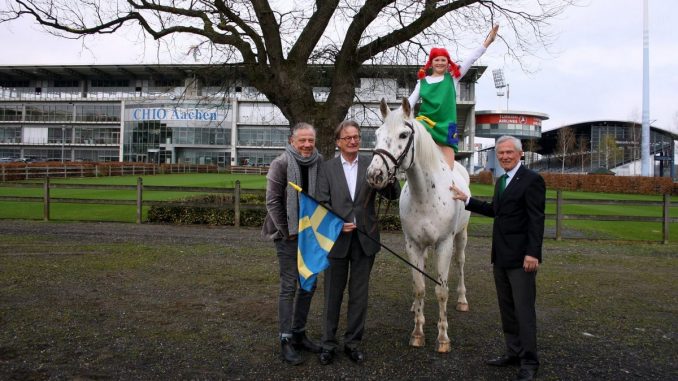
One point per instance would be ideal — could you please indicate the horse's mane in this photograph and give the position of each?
(427, 154)
(426, 150)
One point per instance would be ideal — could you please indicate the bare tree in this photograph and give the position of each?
(565, 145)
(609, 149)
(532, 147)
(276, 41)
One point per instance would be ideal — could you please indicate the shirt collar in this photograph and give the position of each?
(344, 161)
(513, 171)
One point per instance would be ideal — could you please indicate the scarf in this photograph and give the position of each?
(294, 160)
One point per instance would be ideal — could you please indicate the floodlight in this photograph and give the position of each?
(498, 75)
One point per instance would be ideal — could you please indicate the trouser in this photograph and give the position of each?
(336, 276)
(516, 294)
(293, 301)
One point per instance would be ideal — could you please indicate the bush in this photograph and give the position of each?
(219, 214)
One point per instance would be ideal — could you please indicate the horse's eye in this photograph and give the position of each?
(403, 135)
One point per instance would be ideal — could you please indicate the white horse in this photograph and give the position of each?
(430, 217)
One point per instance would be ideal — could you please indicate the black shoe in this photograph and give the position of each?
(526, 374)
(287, 352)
(303, 343)
(354, 354)
(326, 356)
(504, 361)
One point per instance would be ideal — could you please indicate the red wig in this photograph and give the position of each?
(437, 52)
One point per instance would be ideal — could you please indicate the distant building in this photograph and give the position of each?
(524, 125)
(196, 114)
(608, 145)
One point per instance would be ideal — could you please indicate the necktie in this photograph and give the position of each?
(502, 183)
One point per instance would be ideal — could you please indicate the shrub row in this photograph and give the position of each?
(598, 183)
(219, 215)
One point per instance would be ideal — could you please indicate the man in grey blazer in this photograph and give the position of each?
(517, 234)
(342, 185)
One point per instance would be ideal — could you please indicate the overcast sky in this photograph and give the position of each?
(595, 73)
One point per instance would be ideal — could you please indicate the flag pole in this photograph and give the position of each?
(298, 189)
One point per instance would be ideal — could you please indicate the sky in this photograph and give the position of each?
(592, 71)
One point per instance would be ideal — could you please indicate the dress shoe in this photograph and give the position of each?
(504, 361)
(526, 374)
(354, 354)
(303, 343)
(326, 356)
(287, 352)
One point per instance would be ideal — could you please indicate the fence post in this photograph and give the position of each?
(665, 215)
(140, 187)
(236, 204)
(559, 214)
(45, 204)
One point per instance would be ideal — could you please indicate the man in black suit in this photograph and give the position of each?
(517, 234)
(342, 185)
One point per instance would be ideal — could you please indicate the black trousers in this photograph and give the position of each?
(359, 266)
(516, 294)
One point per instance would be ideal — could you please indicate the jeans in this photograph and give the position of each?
(293, 301)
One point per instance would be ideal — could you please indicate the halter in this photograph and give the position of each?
(397, 162)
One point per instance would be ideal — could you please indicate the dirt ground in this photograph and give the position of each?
(98, 301)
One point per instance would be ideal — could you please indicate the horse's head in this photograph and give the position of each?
(394, 148)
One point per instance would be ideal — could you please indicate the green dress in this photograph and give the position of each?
(438, 110)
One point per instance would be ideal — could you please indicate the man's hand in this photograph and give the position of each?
(458, 194)
(348, 227)
(530, 264)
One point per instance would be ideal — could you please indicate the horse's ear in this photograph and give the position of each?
(383, 107)
(406, 107)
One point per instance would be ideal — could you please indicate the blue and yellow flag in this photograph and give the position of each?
(318, 229)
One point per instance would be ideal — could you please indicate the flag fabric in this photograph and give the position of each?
(318, 229)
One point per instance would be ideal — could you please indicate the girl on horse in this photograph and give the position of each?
(438, 94)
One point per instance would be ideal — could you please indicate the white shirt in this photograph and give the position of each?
(512, 173)
(351, 174)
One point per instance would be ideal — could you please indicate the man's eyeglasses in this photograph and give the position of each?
(349, 138)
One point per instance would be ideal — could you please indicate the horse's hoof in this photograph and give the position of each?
(417, 341)
(444, 347)
(462, 307)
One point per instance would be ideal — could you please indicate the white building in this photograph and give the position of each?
(196, 114)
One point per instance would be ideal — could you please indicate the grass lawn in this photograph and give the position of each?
(124, 213)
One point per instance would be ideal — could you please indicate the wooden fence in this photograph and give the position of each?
(34, 171)
(235, 202)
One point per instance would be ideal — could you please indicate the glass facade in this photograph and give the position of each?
(616, 144)
(177, 133)
(263, 136)
(257, 158)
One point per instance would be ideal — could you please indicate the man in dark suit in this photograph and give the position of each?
(517, 234)
(342, 185)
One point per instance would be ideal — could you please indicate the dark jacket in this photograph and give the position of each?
(333, 191)
(518, 227)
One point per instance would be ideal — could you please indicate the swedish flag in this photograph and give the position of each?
(318, 229)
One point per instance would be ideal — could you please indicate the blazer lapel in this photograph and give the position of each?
(515, 180)
(360, 179)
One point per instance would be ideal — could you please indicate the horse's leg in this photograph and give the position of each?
(460, 258)
(444, 256)
(417, 258)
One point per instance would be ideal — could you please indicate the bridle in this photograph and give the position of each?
(396, 162)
